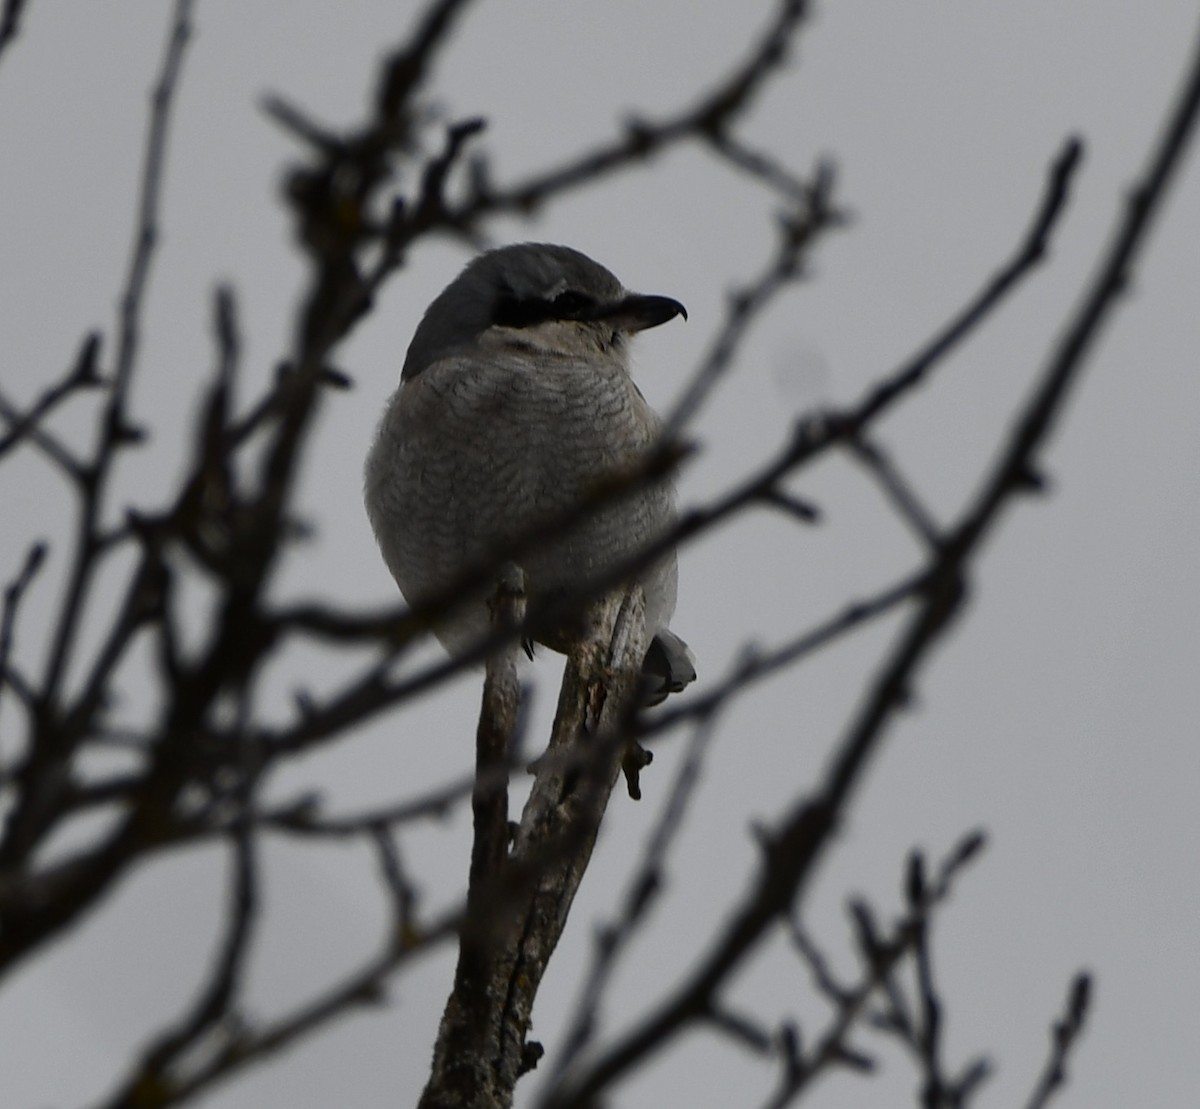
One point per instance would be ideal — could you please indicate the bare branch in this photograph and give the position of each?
(1031, 253)
(901, 494)
(741, 1028)
(812, 212)
(709, 119)
(469, 1037)
(82, 375)
(13, 594)
(1064, 1034)
(403, 892)
(161, 1062)
(10, 22)
(41, 778)
(246, 1045)
(115, 429)
(757, 665)
(881, 954)
(795, 846)
(482, 1051)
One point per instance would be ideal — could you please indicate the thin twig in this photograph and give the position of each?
(881, 955)
(1064, 1034)
(82, 375)
(812, 213)
(712, 115)
(403, 892)
(14, 592)
(10, 22)
(116, 431)
(1028, 255)
(899, 492)
(247, 1045)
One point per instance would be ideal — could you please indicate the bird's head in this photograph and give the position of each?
(536, 295)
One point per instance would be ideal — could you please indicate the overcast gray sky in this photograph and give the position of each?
(1061, 715)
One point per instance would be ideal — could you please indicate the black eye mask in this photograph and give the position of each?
(512, 311)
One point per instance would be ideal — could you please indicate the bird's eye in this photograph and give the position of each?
(571, 305)
(512, 311)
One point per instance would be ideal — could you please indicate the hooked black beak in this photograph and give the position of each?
(637, 312)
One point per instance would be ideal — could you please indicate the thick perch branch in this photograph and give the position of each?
(518, 900)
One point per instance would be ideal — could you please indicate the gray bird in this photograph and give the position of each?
(515, 401)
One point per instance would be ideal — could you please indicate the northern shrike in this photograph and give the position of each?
(515, 403)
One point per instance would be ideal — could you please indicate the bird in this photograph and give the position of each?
(515, 405)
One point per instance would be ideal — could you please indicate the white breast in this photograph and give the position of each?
(476, 450)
